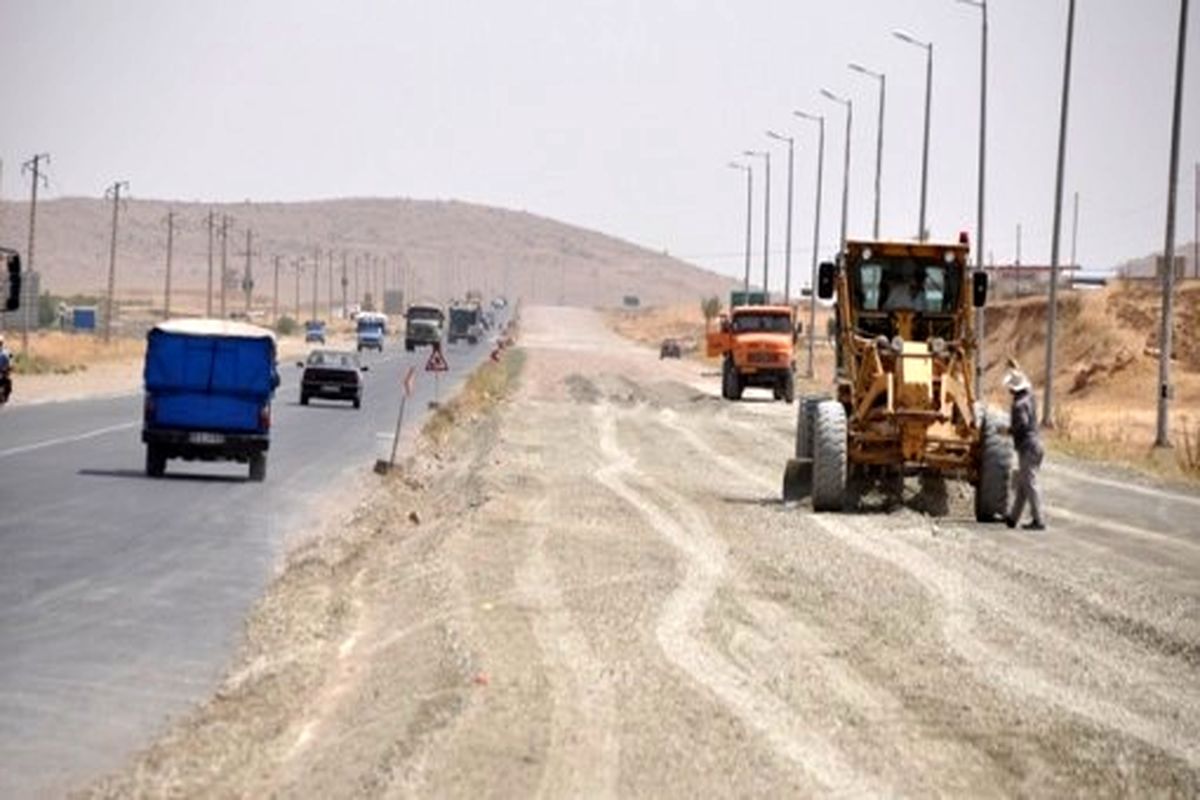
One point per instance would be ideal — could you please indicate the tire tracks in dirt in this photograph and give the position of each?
(960, 602)
(679, 627)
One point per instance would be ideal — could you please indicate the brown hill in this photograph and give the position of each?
(434, 249)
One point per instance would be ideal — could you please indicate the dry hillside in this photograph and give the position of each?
(435, 248)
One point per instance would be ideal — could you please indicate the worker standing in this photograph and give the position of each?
(1028, 443)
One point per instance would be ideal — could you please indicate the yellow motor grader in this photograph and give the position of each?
(904, 399)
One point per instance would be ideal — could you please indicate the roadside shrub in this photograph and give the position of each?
(286, 326)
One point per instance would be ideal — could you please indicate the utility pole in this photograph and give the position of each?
(345, 283)
(849, 105)
(1162, 436)
(1052, 315)
(316, 279)
(879, 76)
(980, 313)
(766, 157)
(1196, 226)
(114, 192)
(1017, 277)
(224, 261)
(275, 294)
(331, 282)
(749, 216)
(357, 264)
(247, 276)
(298, 265)
(34, 167)
(209, 296)
(787, 258)
(1075, 232)
(816, 245)
(170, 250)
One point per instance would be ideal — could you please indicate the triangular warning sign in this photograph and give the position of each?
(437, 361)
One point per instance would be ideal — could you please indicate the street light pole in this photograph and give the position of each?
(846, 166)
(980, 321)
(879, 137)
(1162, 436)
(816, 245)
(922, 231)
(766, 157)
(749, 215)
(787, 257)
(1052, 310)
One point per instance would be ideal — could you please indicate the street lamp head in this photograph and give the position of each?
(835, 98)
(780, 137)
(904, 36)
(737, 166)
(870, 73)
(806, 115)
(976, 3)
(755, 153)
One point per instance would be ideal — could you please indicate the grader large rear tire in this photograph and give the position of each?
(829, 457)
(995, 462)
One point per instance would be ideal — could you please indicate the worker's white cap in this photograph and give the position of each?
(1015, 381)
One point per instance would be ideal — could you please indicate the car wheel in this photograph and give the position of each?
(303, 399)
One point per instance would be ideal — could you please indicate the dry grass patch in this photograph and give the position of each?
(491, 382)
(58, 353)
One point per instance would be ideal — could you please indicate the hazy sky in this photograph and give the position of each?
(612, 114)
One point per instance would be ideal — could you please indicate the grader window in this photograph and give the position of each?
(905, 284)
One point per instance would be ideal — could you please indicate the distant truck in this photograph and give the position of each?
(757, 346)
(424, 326)
(466, 322)
(371, 331)
(208, 390)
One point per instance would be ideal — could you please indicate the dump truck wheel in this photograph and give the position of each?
(995, 462)
(156, 461)
(829, 457)
(258, 467)
(789, 388)
(729, 381)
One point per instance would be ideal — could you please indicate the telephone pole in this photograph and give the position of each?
(316, 279)
(1075, 231)
(224, 261)
(208, 297)
(330, 282)
(1162, 436)
(298, 264)
(114, 192)
(345, 283)
(275, 294)
(170, 250)
(33, 166)
(1052, 315)
(357, 296)
(248, 277)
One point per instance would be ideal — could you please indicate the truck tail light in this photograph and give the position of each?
(264, 417)
(148, 409)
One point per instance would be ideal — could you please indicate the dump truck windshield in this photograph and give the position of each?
(762, 323)
(906, 284)
(424, 313)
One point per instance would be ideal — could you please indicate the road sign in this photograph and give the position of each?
(437, 361)
(409, 377)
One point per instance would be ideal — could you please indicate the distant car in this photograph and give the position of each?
(332, 375)
(670, 349)
(314, 331)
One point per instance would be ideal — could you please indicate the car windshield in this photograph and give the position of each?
(761, 323)
(370, 324)
(907, 284)
(327, 358)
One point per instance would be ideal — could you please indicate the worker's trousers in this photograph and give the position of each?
(1029, 460)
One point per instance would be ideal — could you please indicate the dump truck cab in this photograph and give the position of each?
(757, 346)
(904, 392)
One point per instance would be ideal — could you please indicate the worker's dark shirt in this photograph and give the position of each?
(1024, 424)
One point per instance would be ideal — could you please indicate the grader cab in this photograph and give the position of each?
(905, 398)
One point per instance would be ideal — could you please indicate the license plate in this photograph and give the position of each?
(201, 437)
(331, 388)
(762, 358)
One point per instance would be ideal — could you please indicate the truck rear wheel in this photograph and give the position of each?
(829, 456)
(156, 461)
(258, 467)
(995, 462)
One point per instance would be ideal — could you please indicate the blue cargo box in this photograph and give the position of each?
(83, 318)
(209, 375)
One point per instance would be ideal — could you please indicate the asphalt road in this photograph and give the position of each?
(121, 597)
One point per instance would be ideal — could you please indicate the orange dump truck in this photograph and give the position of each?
(757, 346)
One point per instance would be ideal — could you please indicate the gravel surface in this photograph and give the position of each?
(604, 596)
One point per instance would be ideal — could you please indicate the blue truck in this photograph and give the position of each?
(208, 390)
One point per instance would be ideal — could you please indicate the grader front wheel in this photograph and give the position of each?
(829, 457)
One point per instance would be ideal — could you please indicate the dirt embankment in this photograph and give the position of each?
(601, 595)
